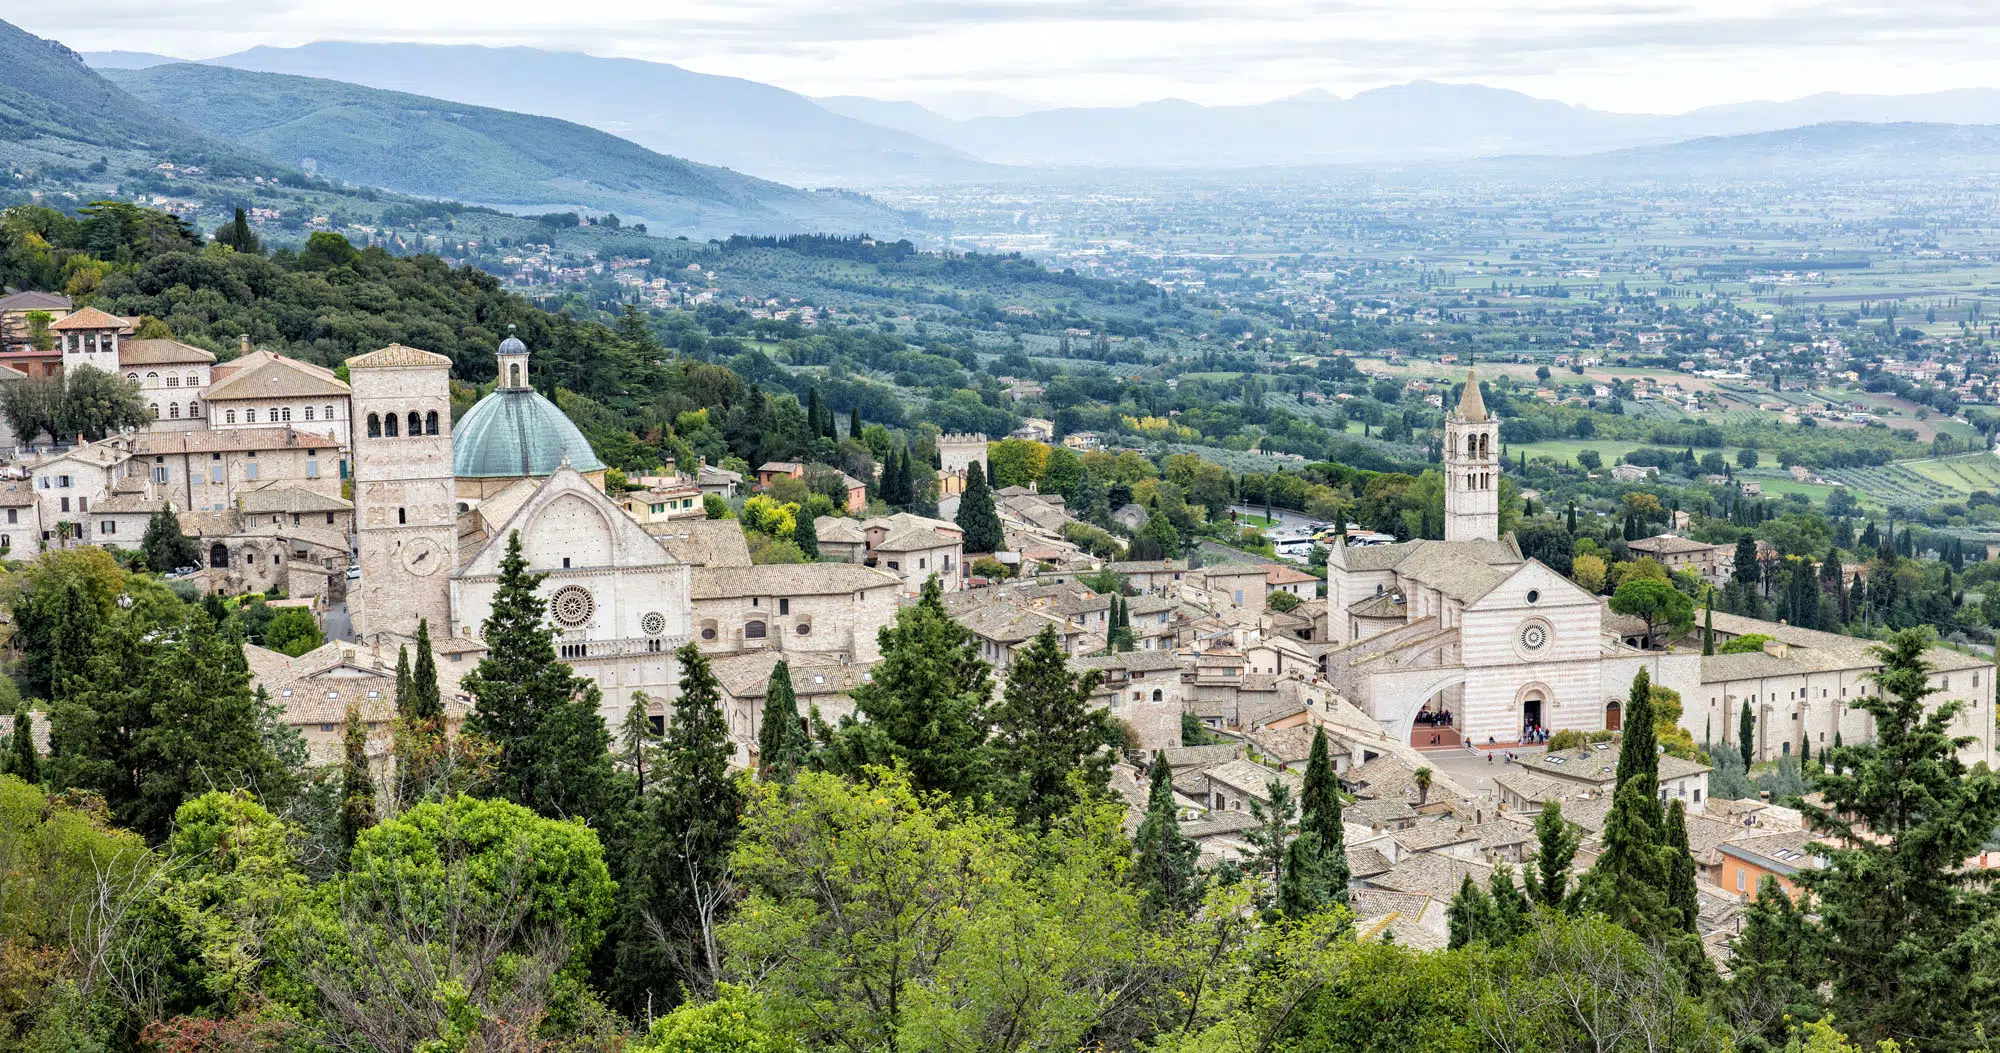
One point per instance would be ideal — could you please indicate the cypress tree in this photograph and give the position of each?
(426, 701)
(1046, 733)
(1746, 728)
(1510, 907)
(357, 786)
(1165, 874)
(1639, 744)
(1556, 843)
(1470, 918)
(674, 890)
(1628, 883)
(805, 534)
(22, 760)
(1572, 518)
(1681, 895)
(925, 704)
(976, 515)
(907, 485)
(636, 741)
(1316, 869)
(1708, 627)
(552, 748)
(815, 425)
(781, 741)
(854, 423)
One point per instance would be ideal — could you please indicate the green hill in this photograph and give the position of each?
(53, 109)
(432, 148)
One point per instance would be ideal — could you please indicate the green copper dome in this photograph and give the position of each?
(515, 432)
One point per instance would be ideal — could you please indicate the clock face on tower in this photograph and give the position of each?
(422, 556)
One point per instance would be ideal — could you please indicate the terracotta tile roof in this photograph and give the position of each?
(712, 543)
(1432, 875)
(160, 353)
(34, 301)
(290, 499)
(748, 676)
(788, 579)
(225, 440)
(90, 318)
(263, 375)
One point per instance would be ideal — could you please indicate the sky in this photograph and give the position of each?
(1650, 56)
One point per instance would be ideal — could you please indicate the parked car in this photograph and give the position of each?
(354, 572)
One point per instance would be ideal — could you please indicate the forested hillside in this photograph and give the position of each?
(433, 148)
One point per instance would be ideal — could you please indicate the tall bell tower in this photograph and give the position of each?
(405, 501)
(1471, 468)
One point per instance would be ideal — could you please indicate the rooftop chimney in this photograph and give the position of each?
(245, 338)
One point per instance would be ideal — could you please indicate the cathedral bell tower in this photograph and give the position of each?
(405, 502)
(1471, 469)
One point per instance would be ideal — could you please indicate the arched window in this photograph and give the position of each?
(194, 409)
(416, 423)
(218, 556)
(329, 411)
(753, 631)
(514, 375)
(229, 417)
(431, 423)
(309, 413)
(150, 375)
(389, 425)
(374, 425)
(286, 414)
(250, 416)
(154, 409)
(1485, 446)
(173, 381)
(193, 381)
(174, 410)
(1157, 696)
(133, 377)
(402, 516)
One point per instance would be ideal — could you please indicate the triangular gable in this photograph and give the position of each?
(631, 545)
(1511, 591)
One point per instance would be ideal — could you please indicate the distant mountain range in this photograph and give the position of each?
(750, 127)
(858, 141)
(432, 148)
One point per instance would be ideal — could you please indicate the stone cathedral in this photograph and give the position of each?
(436, 503)
(1465, 638)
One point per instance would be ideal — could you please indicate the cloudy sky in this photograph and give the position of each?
(1633, 55)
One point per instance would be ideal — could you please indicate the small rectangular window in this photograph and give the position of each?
(784, 605)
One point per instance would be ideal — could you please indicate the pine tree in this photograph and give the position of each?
(22, 760)
(925, 703)
(805, 534)
(1049, 742)
(1681, 895)
(1746, 729)
(552, 749)
(675, 889)
(1556, 843)
(976, 515)
(1271, 838)
(421, 745)
(1165, 874)
(781, 741)
(1898, 908)
(357, 785)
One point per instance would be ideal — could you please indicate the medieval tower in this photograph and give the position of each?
(1471, 469)
(405, 508)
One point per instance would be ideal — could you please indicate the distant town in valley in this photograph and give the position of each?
(487, 568)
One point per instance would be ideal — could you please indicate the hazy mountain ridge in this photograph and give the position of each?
(434, 148)
(739, 124)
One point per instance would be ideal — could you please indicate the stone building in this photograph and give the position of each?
(261, 389)
(815, 608)
(405, 504)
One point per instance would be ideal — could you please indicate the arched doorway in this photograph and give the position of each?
(1533, 702)
(1614, 715)
(218, 556)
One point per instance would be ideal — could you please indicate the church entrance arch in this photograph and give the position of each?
(1533, 702)
(1614, 716)
(1401, 697)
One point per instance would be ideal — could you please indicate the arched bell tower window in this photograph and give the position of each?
(374, 425)
(431, 423)
(514, 375)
